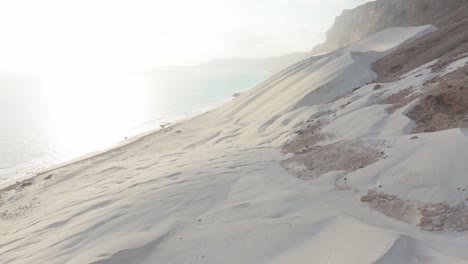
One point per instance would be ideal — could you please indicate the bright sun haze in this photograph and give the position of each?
(51, 35)
(233, 131)
(80, 76)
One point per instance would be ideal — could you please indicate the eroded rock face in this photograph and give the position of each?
(312, 161)
(391, 205)
(399, 100)
(432, 216)
(307, 138)
(445, 105)
(447, 44)
(439, 216)
(372, 17)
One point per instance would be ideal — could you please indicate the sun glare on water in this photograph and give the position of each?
(92, 111)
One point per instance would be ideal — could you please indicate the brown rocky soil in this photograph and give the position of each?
(449, 43)
(391, 205)
(439, 216)
(432, 216)
(312, 160)
(345, 155)
(400, 99)
(444, 105)
(306, 138)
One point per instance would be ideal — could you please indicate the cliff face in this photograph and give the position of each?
(353, 25)
(447, 44)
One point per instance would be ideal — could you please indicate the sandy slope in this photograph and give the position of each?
(212, 189)
(270, 64)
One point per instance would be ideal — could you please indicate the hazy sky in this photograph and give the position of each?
(138, 34)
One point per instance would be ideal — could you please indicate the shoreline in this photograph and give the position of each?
(13, 183)
(24, 162)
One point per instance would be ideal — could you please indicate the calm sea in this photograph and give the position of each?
(51, 119)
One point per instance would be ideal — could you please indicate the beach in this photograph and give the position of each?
(233, 185)
(51, 119)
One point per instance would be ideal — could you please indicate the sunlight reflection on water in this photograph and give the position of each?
(55, 118)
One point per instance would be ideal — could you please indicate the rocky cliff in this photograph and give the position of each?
(447, 44)
(353, 25)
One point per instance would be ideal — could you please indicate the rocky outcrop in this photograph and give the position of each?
(353, 25)
(447, 44)
(432, 216)
(445, 105)
(312, 160)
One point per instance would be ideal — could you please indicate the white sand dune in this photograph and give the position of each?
(212, 190)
